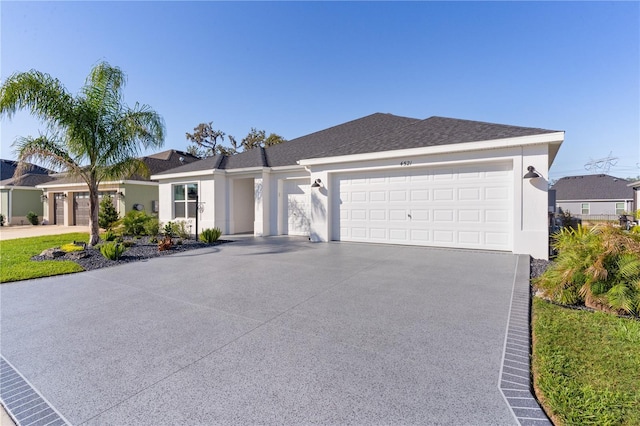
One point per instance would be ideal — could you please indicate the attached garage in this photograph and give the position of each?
(465, 206)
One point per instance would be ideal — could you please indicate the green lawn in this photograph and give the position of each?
(15, 255)
(586, 366)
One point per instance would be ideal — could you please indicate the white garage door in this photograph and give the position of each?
(297, 206)
(466, 207)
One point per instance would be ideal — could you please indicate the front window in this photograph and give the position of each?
(619, 208)
(184, 200)
(585, 208)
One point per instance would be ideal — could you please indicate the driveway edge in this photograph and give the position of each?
(24, 404)
(515, 373)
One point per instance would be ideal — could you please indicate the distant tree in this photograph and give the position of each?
(205, 140)
(108, 214)
(258, 138)
(92, 135)
(274, 139)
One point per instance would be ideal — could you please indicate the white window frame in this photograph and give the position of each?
(583, 208)
(188, 200)
(620, 210)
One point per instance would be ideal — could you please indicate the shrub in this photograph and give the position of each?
(109, 235)
(32, 218)
(107, 215)
(180, 229)
(133, 223)
(167, 230)
(210, 235)
(71, 247)
(599, 267)
(1, 219)
(128, 243)
(152, 226)
(112, 251)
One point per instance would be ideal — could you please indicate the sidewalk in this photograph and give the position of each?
(22, 231)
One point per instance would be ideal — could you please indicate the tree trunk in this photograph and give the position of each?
(94, 208)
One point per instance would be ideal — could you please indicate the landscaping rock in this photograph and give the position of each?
(75, 255)
(52, 253)
(139, 249)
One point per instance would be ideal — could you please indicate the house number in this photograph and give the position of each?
(405, 163)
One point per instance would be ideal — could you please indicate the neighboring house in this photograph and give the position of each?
(381, 178)
(594, 195)
(66, 199)
(20, 196)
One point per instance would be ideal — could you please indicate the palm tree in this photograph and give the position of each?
(92, 135)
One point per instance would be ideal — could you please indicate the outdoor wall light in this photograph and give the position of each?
(317, 183)
(120, 195)
(44, 198)
(532, 173)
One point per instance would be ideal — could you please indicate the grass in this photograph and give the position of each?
(15, 257)
(586, 365)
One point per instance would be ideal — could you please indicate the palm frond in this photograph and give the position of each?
(44, 96)
(47, 150)
(621, 297)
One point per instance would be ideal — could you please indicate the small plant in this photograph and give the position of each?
(153, 240)
(165, 244)
(167, 230)
(180, 229)
(179, 242)
(112, 250)
(128, 243)
(152, 227)
(210, 236)
(109, 236)
(32, 218)
(1, 219)
(107, 215)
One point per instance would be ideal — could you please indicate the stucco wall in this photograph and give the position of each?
(139, 194)
(21, 202)
(243, 212)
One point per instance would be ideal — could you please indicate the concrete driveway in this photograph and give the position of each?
(271, 331)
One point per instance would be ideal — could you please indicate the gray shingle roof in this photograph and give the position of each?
(373, 133)
(157, 163)
(329, 141)
(8, 168)
(592, 187)
(433, 131)
(28, 179)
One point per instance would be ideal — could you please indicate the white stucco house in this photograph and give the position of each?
(383, 179)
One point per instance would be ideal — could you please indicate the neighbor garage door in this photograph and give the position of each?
(466, 207)
(81, 210)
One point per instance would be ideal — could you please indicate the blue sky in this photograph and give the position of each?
(297, 67)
